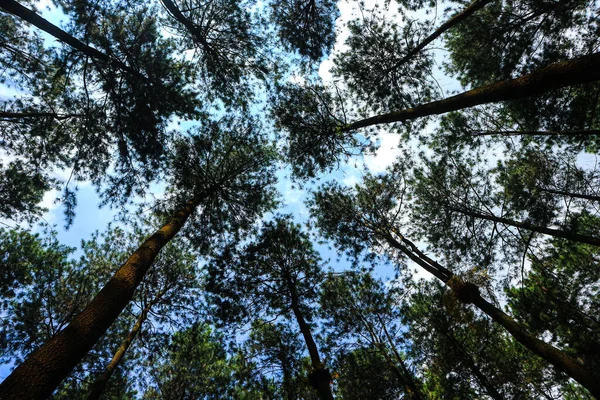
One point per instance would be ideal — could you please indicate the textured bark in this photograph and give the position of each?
(563, 362)
(323, 387)
(559, 359)
(100, 384)
(452, 22)
(530, 227)
(555, 76)
(34, 19)
(39, 375)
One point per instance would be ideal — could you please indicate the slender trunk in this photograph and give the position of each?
(530, 227)
(452, 22)
(286, 374)
(485, 383)
(43, 370)
(320, 377)
(100, 384)
(555, 76)
(571, 194)
(34, 19)
(25, 115)
(411, 388)
(469, 293)
(582, 133)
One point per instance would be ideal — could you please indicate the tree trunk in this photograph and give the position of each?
(489, 388)
(530, 227)
(563, 362)
(452, 22)
(320, 376)
(100, 384)
(571, 194)
(410, 386)
(555, 76)
(34, 19)
(25, 115)
(469, 293)
(582, 133)
(183, 20)
(39, 375)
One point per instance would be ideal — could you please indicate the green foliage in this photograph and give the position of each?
(193, 365)
(559, 295)
(315, 138)
(22, 188)
(268, 275)
(306, 26)
(228, 165)
(227, 49)
(370, 66)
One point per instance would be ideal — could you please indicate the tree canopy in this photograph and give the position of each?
(308, 199)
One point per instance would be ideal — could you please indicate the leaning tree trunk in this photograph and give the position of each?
(99, 385)
(320, 377)
(34, 19)
(39, 375)
(531, 227)
(410, 386)
(468, 293)
(483, 380)
(555, 76)
(452, 22)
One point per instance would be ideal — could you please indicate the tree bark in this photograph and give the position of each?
(410, 385)
(39, 375)
(34, 19)
(485, 383)
(100, 384)
(555, 76)
(530, 227)
(183, 20)
(571, 194)
(452, 22)
(582, 133)
(559, 359)
(322, 386)
(24, 115)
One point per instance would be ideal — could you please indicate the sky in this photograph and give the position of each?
(90, 217)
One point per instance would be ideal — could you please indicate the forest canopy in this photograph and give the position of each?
(299, 199)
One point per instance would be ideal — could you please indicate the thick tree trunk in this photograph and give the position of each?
(555, 76)
(183, 20)
(452, 22)
(563, 362)
(530, 227)
(469, 293)
(34, 19)
(100, 385)
(320, 377)
(42, 371)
